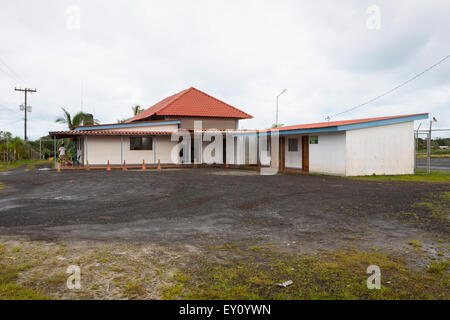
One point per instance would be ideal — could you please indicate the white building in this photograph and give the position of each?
(379, 146)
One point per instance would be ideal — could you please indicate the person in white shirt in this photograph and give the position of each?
(62, 153)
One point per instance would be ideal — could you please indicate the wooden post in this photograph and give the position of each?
(108, 167)
(58, 167)
(159, 165)
(124, 168)
(87, 165)
(143, 165)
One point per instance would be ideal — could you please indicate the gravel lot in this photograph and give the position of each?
(210, 205)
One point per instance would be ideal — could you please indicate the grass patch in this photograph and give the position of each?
(9, 290)
(420, 176)
(438, 267)
(438, 205)
(2, 186)
(415, 243)
(30, 164)
(332, 275)
(133, 289)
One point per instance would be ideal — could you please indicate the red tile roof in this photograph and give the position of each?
(192, 103)
(341, 123)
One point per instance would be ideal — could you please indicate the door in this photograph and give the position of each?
(305, 153)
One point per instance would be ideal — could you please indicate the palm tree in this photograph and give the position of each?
(137, 109)
(80, 118)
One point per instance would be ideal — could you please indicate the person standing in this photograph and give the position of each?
(62, 153)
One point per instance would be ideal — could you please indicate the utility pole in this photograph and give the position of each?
(25, 107)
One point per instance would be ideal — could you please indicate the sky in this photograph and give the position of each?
(104, 57)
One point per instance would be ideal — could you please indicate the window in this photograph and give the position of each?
(141, 143)
(293, 145)
(313, 139)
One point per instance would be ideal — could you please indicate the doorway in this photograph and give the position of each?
(305, 153)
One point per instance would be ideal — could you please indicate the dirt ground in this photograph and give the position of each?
(188, 210)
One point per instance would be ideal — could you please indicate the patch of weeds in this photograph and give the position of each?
(438, 267)
(134, 288)
(437, 205)
(331, 275)
(57, 278)
(9, 290)
(414, 243)
(420, 176)
(12, 291)
(2, 186)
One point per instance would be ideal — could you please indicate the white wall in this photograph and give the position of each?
(293, 159)
(137, 156)
(381, 150)
(164, 148)
(100, 149)
(328, 156)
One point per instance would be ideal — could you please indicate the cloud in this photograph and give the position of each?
(244, 53)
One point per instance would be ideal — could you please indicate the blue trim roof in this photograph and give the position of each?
(126, 125)
(354, 126)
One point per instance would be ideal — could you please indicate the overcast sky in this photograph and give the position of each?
(329, 55)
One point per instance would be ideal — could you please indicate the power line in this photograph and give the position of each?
(3, 106)
(15, 75)
(391, 90)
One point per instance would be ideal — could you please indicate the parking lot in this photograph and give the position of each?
(222, 205)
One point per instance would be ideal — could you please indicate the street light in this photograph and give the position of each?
(284, 90)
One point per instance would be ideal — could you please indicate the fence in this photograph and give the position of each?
(428, 134)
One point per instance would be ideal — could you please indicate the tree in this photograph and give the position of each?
(80, 118)
(277, 125)
(137, 109)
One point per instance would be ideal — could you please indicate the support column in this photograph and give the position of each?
(154, 150)
(121, 149)
(54, 150)
(86, 143)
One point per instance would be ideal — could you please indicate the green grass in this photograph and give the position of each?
(420, 176)
(332, 275)
(2, 186)
(438, 204)
(29, 163)
(438, 267)
(10, 290)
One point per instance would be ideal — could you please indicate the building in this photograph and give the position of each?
(194, 128)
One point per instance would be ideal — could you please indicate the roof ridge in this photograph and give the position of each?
(181, 93)
(206, 94)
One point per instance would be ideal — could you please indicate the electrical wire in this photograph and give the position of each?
(391, 90)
